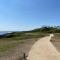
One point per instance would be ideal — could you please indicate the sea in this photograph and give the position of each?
(4, 32)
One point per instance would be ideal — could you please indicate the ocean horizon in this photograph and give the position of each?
(4, 32)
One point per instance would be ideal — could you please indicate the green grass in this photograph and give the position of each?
(4, 48)
(28, 36)
(10, 41)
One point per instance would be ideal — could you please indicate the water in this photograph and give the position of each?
(4, 32)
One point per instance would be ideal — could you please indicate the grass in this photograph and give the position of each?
(56, 37)
(12, 40)
(28, 36)
(56, 41)
(5, 47)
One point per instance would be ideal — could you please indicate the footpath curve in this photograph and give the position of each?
(43, 49)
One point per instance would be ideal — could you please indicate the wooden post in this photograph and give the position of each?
(24, 56)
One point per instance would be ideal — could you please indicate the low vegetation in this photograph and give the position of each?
(56, 37)
(56, 41)
(11, 40)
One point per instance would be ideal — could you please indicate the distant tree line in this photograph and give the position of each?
(48, 29)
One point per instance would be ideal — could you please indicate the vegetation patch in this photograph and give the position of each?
(11, 40)
(56, 41)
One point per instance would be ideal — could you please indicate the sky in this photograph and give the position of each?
(20, 15)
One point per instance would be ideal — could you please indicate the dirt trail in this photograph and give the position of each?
(43, 49)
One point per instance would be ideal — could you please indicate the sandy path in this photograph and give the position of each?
(43, 50)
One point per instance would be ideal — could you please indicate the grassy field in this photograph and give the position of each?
(25, 39)
(12, 40)
(6, 46)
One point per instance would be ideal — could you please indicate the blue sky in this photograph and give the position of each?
(18, 15)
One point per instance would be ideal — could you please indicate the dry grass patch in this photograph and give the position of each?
(56, 41)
